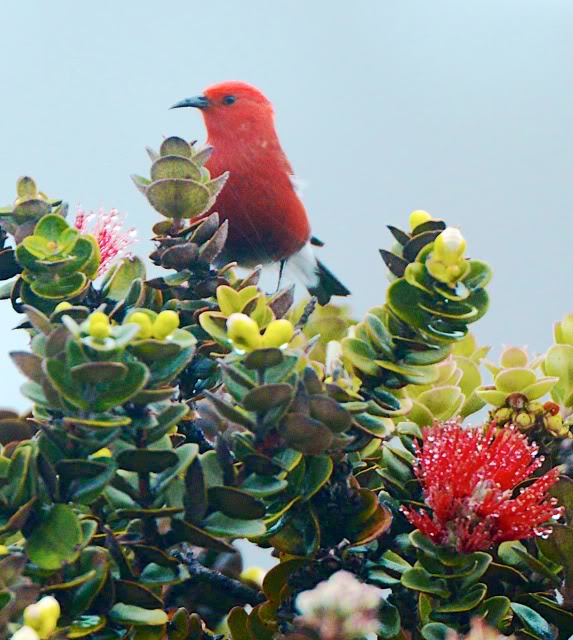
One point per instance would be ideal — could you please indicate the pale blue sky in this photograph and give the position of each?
(460, 107)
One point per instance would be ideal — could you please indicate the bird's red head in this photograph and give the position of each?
(231, 107)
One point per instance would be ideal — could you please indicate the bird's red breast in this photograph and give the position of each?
(267, 220)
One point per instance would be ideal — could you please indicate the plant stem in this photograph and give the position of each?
(209, 577)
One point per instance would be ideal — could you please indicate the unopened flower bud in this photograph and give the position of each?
(243, 332)
(418, 217)
(513, 357)
(551, 407)
(98, 325)
(43, 616)
(98, 316)
(554, 424)
(144, 323)
(25, 633)
(566, 329)
(438, 270)
(503, 414)
(100, 331)
(524, 420)
(278, 333)
(454, 271)
(450, 246)
(255, 575)
(165, 324)
(535, 408)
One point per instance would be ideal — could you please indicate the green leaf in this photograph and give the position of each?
(393, 562)
(174, 166)
(536, 565)
(128, 614)
(317, 472)
(555, 614)
(92, 558)
(156, 575)
(118, 282)
(146, 460)
(361, 355)
(84, 626)
(186, 453)
(168, 418)
(56, 540)
(178, 198)
(51, 227)
(235, 503)
(267, 397)
(175, 146)
(297, 534)
(389, 620)
(264, 359)
(226, 410)
(26, 187)
(479, 275)
(71, 390)
(219, 524)
(330, 412)
(117, 394)
(305, 434)
(263, 486)
(481, 564)
(182, 531)
(21, 485)
(36, 245)
(494, 610)
(419, 579)
(535, 624)
(436, 631)
(468, 601)
(237, 623)
(277, 578)
(98, 372)
(67, 287)
(88, 481)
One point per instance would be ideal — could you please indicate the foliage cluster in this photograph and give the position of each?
(174, 415)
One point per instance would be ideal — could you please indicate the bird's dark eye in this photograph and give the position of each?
(229, 100)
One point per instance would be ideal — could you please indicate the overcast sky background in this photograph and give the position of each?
(461, 108)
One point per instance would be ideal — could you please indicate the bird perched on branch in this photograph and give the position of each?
(268, 222)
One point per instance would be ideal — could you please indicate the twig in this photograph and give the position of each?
(229, 586)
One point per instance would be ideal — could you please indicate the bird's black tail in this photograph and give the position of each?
(328, 285)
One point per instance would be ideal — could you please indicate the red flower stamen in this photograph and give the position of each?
(468, 477)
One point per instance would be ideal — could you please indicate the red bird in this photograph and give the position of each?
(267, 220)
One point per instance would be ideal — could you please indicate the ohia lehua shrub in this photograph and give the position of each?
(171, 416)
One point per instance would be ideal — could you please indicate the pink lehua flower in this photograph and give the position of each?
(479, 630)
(468, 477)
(107, 228)
(340, 608)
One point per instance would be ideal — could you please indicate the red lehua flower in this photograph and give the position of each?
(468, 477)
(106, 228)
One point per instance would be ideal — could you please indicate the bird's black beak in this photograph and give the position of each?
(199, 102)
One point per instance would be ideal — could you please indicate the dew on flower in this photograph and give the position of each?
(468, 477)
